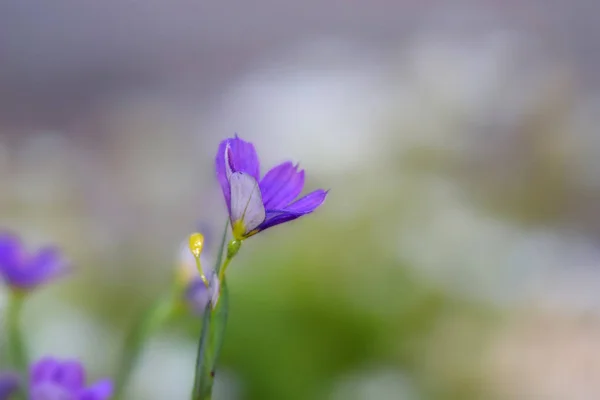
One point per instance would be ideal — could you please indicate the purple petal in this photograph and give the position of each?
(101, 390)
(235, 155)
(197, 296)
(308, 203)
(11, 252)
(70, 375)
(276, 217)
(243, 158)
(303, 206)
(222, 169)
(43, 370)
(9, 383)
(281, 185)
(50, 391)
(43, 266)
(49, 263)
(24, 277)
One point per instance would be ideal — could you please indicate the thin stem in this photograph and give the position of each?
(209, 346)
(224, 268)
(232, 249)
(210, 337)
(201, 355)
(221, 248)
(201, 272)
(17, 353)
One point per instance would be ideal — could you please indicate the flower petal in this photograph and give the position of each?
(49, 263)
(9, 383)
(281, 185)
(50, 390)
(222, 171)
(11, 252)
(276, 217)
(235, 155)
(242, 157)
(246, 201)
(309, 202)
(101, 390)
(32, 271)
(303, 206)
(198, 295)
(70, 375)
(43, 370)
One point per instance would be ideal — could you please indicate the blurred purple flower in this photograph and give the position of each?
(257, 204)
(9, 383)
(66, 379)
(197, 294)
(22, 270)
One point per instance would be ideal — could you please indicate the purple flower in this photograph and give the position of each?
(51, 379)
(257, 204)
(9, 383)
(23, 270)
(197, 294)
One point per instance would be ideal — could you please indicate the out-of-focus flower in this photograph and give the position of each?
(65, 379)
(256, 204)
(197, 292)
(22, 270)
(9, 383)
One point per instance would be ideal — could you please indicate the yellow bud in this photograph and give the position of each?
(196, 243)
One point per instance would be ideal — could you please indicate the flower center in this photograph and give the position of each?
(238, 229)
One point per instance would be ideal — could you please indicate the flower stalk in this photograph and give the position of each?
(17, 352)
(214, 323)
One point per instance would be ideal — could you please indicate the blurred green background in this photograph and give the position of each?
(456, 256)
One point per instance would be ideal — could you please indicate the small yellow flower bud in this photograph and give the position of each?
(196, 243)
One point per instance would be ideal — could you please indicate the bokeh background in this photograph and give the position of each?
(457, 256)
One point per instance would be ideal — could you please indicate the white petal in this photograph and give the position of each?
(246, 201)
(228, 170)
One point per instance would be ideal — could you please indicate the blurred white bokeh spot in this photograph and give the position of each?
(320, 109)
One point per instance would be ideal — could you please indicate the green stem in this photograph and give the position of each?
(17, 353)
(213, 329)
(232, 249)
(209, 346)
(224, 268)
(149, 322)
(198, 391)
